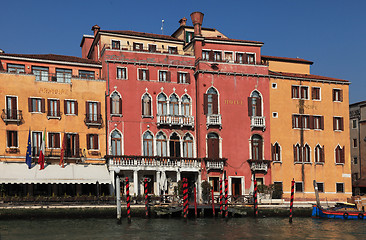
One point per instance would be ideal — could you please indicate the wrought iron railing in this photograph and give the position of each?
(12, 116)
(93, 120)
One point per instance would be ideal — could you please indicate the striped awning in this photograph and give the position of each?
(18, 173)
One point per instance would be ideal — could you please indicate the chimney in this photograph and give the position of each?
(96, 29)
(183, 21)
(197, 18)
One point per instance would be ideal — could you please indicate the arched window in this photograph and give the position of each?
(186, 106)
(213, 145)
(306, 153)
(174, 145)
(173, 105)
(116, 104)
(211, 102)
(146, 105)
(319, 154)
(188, 146)
(116, 139)
(255, 104)
(339, 154)
(297, 153)
(276, 152)
(162, 105)
(148, 144)
(161, 145)
(256, 147)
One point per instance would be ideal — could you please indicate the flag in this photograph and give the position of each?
(28, 157)
(63, 151)
(42, 150)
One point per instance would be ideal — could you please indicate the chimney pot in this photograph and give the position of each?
(96, 29)
(183, 21)
(197, 19)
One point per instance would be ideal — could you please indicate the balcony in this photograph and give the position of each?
(259, 166)
(215, 164)
(258, 122)
(175, 120)
(146, 49)
(93, 120)
(213, 120)
(53, 77)
(12, 116)
(152, 163)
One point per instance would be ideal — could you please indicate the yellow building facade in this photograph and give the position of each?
(309, 133)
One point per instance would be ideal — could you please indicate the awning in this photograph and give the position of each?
(17, 173)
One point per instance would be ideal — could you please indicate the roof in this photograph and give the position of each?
(190, 27)
(142, 34)
(305, 76)
(357, 103)
(286, 59)
(52, 57)
(232, 40)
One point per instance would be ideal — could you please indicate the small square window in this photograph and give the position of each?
(340, 187)
(338, 124)
(355, 160)
(354, 141)
(275, 115)
(337, 95)
(121, 73)
(116, 44)
(299, 187)
(274, 85)
(315, 93)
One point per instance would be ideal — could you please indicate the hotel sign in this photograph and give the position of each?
(53, 91)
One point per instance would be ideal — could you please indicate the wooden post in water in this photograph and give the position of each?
(213, 202)
(195, 201)
(146, 199)
(118, 198)
(220, 186)
(292, 199)
(255, 198)
(128, 199)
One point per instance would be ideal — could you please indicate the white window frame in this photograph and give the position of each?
(38, 98)
(166, 75)
(320, 94)
(115, 40)
(47, 141)
(232, 56)
(70, 100)
(121, 77)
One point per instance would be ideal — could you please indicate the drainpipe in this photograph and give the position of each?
(106, 112)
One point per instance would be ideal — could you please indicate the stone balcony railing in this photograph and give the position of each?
(258, 122)
(260, 166)
(175, 120)
(213, 120)
(215, 164)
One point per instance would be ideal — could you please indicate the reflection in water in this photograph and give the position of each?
(235, 228)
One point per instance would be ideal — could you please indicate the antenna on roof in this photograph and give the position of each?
(162, 26)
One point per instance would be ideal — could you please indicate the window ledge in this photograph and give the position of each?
(277, 162)
(116, 115)
(338, 130)
(303, 163)
(340, 164)
(53, 117)
(71, 114)
(319, 163)
(337, 101)
(122, 78)
(147, 116)
(36, 112)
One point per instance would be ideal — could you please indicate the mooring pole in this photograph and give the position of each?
(220, 186)
(146, 200)
(226, 198)
(213, 202)
(128, 199)
(118, 198)
(195, 201)
(255, 198)
(185, 198)
(292, 199)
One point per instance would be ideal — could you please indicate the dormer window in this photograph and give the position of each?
(172, 50)
(116, 44)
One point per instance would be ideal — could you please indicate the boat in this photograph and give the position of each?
(339, 211)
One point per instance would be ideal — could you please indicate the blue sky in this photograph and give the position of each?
(331, 33)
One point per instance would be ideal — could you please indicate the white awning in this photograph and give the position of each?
(17, 173)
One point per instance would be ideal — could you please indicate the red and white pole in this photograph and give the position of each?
(128, 199)
(255, 198)
(292, 199)
(226, 198)
(146, 200)
(220, 186)
(185, 198)
(213, 202)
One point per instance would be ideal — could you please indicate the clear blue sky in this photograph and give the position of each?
(331, 33)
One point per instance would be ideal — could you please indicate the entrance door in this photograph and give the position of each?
(236, 186)
(72, 145)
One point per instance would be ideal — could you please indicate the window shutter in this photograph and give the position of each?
(58, 108)
(311, 122)
(313, 93)
(294, 149)
(65, 106)
(49, 107)
(43, 105)
(88, 141)
(334, 123)
(149, 108)
(333, 95)
(29, 105)
(120, 106)
(168, 75)
(250, 107)
(237, 58)
(76, 108)
(245, 58)
(300, 154)
(188, 78)
(49, 140)
(342, 155)
(293, 121)
(273, 152)
(292, 92)
(215, 149)
(142, 107)
(215, 104)
(147, 75)
(98, 111)
(139, 72)
(259, 107)
(341, 123)
(322, 155)
(87, 109)
(96, 141)
(111, 105)
(341, 95)
(260, 143)
(211, 56)
(57, 140)
(77, 146)
(15, 139)
(205, 103)
(322, 122)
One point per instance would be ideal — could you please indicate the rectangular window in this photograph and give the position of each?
(53, 140)
(92, 142)
(152, 48)
(296, 123)
(320, 187)
(338, 124)
(354, 123)
(172, 50)
(121, 73)
(93, 111)
(16, 68)
(299, 187)
(143, 74)
(250, 58)
(229, 56)
(86, 74)
(318, 122)
(116, 44)
(295, 91)
(305, 121)
(239, 57)
(337, 95)
(214, 181)
(355, 160)
(36, 143)
(36, 105)
(41, 74)
(12, 139)
(183, 78)
(138, 46)
(164, 76)
(71, 107)
(354, 142)
(53, 108)
(205, 55)
(189, 36)
(217, 56)
(304, 92)
(63, 75)
(315, 93)
(340, 187)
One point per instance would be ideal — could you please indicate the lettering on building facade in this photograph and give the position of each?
(54, 91)
(234, 102)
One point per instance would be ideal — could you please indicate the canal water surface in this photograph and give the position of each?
(207, 228)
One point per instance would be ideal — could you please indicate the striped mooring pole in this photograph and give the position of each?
(185, 198)
(292, 199)
(226, 198)
(128, 199)
(146, 200)
(213, 202)
(220, 186)
(255, 198)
